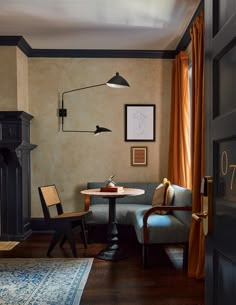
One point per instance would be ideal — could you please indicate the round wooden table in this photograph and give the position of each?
(112, 251)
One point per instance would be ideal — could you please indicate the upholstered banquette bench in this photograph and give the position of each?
(171, 226)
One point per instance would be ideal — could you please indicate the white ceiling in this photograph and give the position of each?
(97, 24)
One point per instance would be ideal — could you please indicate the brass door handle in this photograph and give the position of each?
(206, 215)
(199, 216)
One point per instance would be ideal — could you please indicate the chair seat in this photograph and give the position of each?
(72, 215)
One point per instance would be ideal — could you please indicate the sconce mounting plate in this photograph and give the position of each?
(62, 112)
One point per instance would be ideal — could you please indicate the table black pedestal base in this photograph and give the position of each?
(112, 253)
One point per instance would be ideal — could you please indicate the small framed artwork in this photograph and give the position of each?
(140, 122)
(139, 155)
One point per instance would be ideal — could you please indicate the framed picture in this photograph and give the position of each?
(139, 155)
(140, 122)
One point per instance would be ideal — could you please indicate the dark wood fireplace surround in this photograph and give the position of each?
(15, 186)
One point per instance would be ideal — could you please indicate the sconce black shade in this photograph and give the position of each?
(117, 81)
(101, 129)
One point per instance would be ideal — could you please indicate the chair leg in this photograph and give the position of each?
(83, 233)
(70, 238)
(55, 239)
(62, 241)
(185, 256)
(145, 255)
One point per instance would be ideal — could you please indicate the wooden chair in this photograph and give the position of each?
(62, 223)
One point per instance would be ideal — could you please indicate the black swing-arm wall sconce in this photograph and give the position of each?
(116, 81)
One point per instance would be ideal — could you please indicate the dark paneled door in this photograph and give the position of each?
(220, 98)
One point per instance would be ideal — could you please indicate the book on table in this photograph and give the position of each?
(112, 189)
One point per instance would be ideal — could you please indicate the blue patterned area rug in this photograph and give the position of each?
(39, 281)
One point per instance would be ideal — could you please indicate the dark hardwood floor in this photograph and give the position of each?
(124, 282)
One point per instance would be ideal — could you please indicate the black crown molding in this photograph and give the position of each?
(185, 40)
(92, 53)
(20, 42)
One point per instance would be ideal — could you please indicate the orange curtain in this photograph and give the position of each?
(179, 169)
(196, 239)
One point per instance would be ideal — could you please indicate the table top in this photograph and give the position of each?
(125, 192)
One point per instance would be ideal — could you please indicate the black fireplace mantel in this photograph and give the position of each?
(15, 185)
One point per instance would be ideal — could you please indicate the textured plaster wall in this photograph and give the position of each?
(22, 80)
(8, 79)
(13, 79)
(71, 159)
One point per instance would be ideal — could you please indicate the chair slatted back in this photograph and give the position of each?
(49, 197)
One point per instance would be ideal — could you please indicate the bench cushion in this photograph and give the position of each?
(182, 197)
(161, 228)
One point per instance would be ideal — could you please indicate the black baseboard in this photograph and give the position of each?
(96, 232)
(38, 225)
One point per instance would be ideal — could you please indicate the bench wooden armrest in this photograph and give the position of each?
(159, 208)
